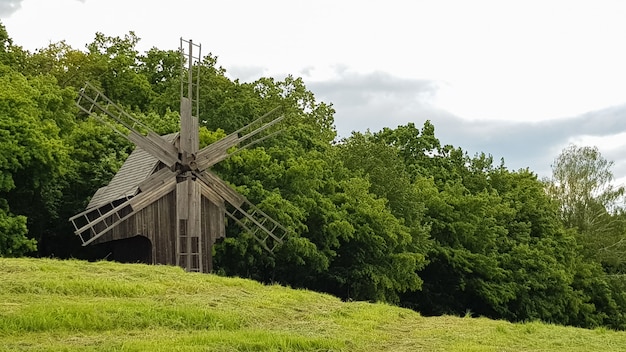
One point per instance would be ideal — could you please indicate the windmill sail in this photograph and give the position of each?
(245, 137)
(93, 223)
(91, 101)
(267, 231)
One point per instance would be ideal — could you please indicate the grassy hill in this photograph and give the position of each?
(48, 305)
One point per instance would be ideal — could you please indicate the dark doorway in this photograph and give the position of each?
(136, 249)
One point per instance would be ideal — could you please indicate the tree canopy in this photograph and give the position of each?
(582, 183)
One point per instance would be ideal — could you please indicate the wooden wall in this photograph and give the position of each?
(212, 228)
(157, 223)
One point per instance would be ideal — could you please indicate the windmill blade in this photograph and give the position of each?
(244, 137)
(221, 188)
(93, 223)
(216, 152)
(91, 101)
(259, 125)
(210, 194)
(267, 231)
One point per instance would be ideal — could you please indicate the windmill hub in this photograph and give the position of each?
(182, 167)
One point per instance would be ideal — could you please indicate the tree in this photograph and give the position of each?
(13, 240)
(59, 60)
(589, 203)
(5, 46)
(33, 157)
(116, 63)
(385, 169)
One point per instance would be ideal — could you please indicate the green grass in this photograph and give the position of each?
(49, 305)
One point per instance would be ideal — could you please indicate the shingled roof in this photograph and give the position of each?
(137, 167)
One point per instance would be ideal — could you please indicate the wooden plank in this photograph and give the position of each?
(222, 188)
(211, 158)
(92, 223)
(136, 203)
(260, 129)
(195, 134)
(193, 227)
(213, 227)
(181, 220)
(210, 194)
(188, 129)
(218, 151)
(153, 149)
(168, 147)
(144, 199)
(245, 227)
(152, 143)
(182, 206)
(156, 222)
(223, 144)
(208, 155)
(156, 179)
(188, 232)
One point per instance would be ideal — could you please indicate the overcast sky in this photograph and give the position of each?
(516, 79)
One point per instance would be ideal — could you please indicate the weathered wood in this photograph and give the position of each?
(188, 236)
(218, 151)
(222, 188)
(182, 210)
(194, 245)
(157, 223)
(195, 135)
(100, 225)
(144, 199)
(167, 146)
(188, 129)
(210, 194)
(215, 152)
(213, 228)
(152, 143)
(260, 129)
(263, 222)
(156, 150)
(156, 179)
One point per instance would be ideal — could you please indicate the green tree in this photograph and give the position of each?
(6, 58)
(421, 151)
(33, 156)
(377, 258)
(499, 248)
(13, 240)
(346, 241)
(70, 67)
(116, 63)
(385, 169)
(582, 185)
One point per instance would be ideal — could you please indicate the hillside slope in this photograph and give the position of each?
(49, 305)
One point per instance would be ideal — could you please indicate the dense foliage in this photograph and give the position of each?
(386, 216)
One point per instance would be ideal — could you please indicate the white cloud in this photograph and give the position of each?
(8, 7)
(613, 142)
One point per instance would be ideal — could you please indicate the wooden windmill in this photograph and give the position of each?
(165, 190)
